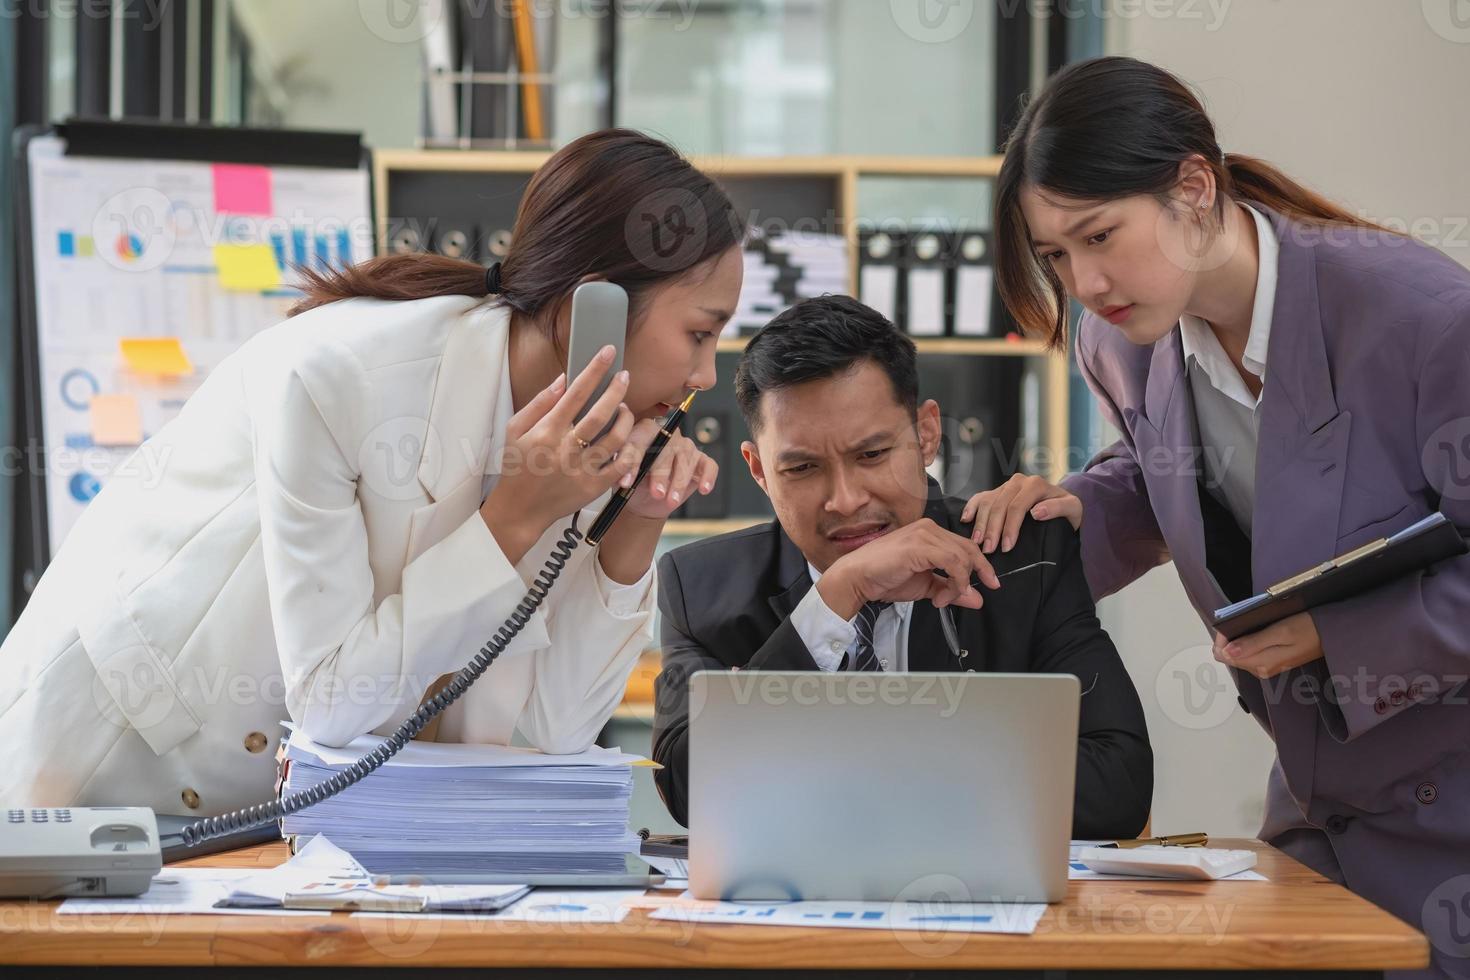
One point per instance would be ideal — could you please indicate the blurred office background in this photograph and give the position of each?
(1362, 99)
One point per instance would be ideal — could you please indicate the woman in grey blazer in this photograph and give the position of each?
(1290, 382)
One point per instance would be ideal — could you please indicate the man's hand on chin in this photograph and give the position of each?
(900, 567)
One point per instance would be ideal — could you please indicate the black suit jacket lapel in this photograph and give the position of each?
(792, 575)
(928, 649)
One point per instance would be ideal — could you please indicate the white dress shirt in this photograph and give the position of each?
(829, 637)
(1227, 413)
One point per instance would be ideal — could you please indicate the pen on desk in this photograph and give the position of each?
(1176, 840)
(615, 506)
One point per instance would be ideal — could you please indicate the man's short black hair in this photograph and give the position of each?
(819, 338)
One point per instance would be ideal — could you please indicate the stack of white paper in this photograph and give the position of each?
(437, 809)
(821, 262)
(784, 267)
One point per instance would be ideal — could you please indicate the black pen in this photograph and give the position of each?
(975, 579)
(620, 499)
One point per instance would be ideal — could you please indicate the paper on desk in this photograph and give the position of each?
(1077, 871)
(314, 864)
(320, 867)
(178, 891)
(675, 871)
(580, 905)
(597, 905)
(432, 755)
(993, 917)
(420, 898)
(671, 867)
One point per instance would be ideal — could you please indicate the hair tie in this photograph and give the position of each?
(492, 280)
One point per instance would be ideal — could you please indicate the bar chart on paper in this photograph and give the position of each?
(1019, 918)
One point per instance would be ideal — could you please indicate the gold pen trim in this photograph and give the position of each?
(1176, 840)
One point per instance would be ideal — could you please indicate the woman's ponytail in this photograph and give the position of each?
(397, 277)
(1255, 180)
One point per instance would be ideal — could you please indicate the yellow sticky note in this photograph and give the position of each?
(116, 420)
(247, 267)
(646, 764)
(156, 355)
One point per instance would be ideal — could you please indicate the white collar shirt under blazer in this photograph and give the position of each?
(307, 546)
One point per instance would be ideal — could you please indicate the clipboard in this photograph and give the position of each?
(1376, 563)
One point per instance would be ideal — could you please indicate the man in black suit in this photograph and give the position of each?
(829, 390)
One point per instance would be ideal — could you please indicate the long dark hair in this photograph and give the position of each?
(1109, 128)
(616, 203)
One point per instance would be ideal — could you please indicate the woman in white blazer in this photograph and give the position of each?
(353, 503)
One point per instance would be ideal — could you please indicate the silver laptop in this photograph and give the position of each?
(881, 787)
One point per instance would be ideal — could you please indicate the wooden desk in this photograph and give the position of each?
(1296, 922)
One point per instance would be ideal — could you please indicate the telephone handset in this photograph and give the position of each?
(599, 318)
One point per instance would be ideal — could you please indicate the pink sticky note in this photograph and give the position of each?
(242, 189)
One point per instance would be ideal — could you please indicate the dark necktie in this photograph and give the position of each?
(867, 618)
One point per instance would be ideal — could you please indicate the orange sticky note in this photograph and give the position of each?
(250, 268)
(156, 355)
(116, 420)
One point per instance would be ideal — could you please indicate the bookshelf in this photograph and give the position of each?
(837, 179)
(977, 346)
(708, 529)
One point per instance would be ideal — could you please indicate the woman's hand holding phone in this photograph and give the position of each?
(555, 465)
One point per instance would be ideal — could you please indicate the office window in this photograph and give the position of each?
(783, 77)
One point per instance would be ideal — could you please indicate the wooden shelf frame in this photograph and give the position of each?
(847, 172)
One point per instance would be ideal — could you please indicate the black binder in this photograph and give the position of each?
(1376, 563)
(925, 311)
(972, 284)
(879, 264)
(711, 430)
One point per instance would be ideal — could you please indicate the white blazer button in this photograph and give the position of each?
(190, 798)
(255, 742)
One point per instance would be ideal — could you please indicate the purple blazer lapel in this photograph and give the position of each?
(1166, 439)
(1302, 438)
